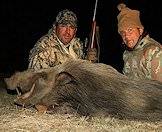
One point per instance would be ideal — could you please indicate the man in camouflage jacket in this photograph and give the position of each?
(59, 45)
(143, 56)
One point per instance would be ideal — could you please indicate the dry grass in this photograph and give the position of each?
(16, 119)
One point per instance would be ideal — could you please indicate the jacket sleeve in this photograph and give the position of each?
(40, 60)
(41, 56)
(154, 62)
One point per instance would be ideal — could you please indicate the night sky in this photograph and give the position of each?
(24, 22)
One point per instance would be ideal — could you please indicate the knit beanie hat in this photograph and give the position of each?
(128, 18)
(66, 17)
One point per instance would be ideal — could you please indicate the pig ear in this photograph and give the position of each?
(64, 78)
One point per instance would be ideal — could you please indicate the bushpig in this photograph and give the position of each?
(91, 89)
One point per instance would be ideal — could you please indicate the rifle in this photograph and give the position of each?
(94, 38)
(93, 26)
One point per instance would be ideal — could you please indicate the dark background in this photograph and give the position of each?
(24, 22)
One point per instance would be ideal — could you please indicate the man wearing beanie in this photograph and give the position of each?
(143, 55)
(59, 44)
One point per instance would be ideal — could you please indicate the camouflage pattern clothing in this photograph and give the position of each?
(144, 61)
(49, 51)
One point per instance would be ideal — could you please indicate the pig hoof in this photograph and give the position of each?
(42, 109)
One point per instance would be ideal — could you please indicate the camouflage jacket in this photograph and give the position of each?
(144, 61)
(49, 51)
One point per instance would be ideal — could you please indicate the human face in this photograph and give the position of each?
(131, 36)
(65, 33)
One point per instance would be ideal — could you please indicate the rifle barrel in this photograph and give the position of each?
(94, 15)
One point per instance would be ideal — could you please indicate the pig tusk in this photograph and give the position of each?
(18, 92)
(26, 95)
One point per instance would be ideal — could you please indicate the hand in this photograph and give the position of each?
(92, 55)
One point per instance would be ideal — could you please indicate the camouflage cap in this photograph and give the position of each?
(66, 17)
